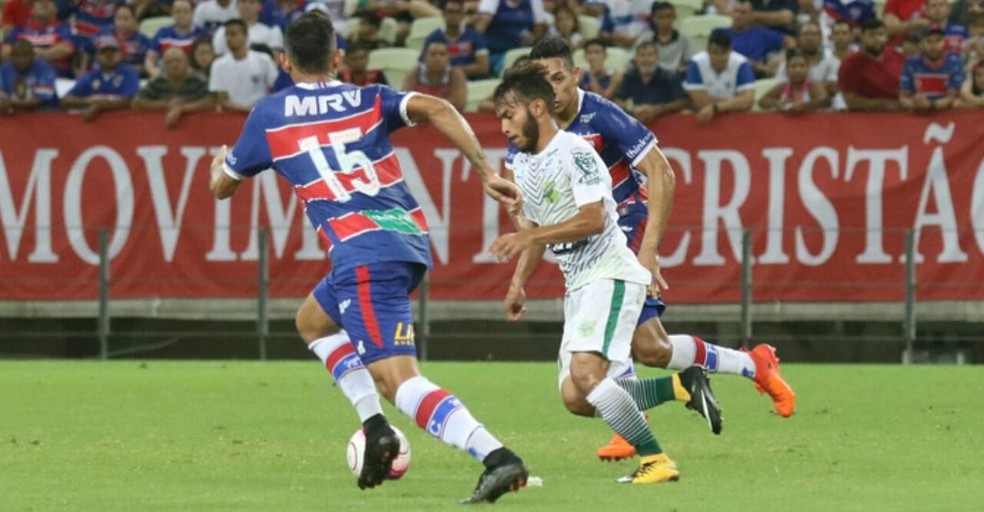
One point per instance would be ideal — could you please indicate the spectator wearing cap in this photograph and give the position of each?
(26, 82)
(182, 34)
(760, 45)
(954, 34)
(52, 40)
(653, 90)
(509, 24)
(176, 90)
(110, 86)
(675, 49)
(466, 46)
(133, 45)
(931, 80)
(719, 80)
(259, 33)
(242, 76)
(869, 78)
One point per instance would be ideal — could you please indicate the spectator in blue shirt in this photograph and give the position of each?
(931, 80)
(654, 90)
(110, 86)
(509, 24)
(761, 46)
(27, 83)
(466, 46)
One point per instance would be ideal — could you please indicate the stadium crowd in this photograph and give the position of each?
(652, 57)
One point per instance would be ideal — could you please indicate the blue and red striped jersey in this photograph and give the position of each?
(331, 142)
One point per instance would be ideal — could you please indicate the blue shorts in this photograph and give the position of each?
(372, 303)
(653, 308)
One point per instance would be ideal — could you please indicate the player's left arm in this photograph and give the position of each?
(661, 182)
(249, 157)
(447, 120)
(221, 184)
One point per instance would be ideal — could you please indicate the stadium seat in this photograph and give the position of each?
(420, 29)
(687, 8)
(395, 62)
(512, 55)
(590, 26)
(150, 26)
(762, 86)
(699, 28)
(618, 58)
(478, 90)
(387, 29)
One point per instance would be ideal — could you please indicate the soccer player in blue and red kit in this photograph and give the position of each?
(331, 142)
(642, 186)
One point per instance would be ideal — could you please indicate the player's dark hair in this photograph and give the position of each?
(236, 22)
(310, 42)
(719, 37)
(525, 83)
(872, 24)
(553, 47)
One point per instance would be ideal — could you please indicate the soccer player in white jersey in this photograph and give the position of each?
(568, 206)
(642, 184)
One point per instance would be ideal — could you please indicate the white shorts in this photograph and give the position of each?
(601, 317)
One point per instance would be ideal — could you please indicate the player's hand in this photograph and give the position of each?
(650, 259)
(215, 169)
(511, 244)
(513, 303)
(504, 191)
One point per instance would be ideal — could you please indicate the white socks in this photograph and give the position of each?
(340, 359)
(443, 416)
(691, 350)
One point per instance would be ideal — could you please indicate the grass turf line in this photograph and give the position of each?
(131, 435)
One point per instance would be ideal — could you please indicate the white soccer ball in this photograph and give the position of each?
(357, 450)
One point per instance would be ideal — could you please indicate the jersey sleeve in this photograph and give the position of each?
(746, 77)
(587, 172)
(633, 139)
(251, 154)
(394, 107)
(693, 80)
(511, 153)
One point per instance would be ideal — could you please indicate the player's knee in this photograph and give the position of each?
(651, 348)
(574, 401)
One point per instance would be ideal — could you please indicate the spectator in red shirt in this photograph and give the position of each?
(869, 78)
(15, 14)
(904, 17)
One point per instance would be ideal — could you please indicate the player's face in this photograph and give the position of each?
(518, 124)
(181, 12)
(564, 82)
(932, 46)
(874, 40)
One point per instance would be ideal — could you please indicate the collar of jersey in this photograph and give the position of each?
(318, 85)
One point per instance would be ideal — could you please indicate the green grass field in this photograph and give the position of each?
(244, 436)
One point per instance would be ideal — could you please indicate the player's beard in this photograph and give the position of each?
(531, 132)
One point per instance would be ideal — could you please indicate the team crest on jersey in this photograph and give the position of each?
(586, 164)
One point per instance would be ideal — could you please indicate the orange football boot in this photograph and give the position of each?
(768, 379)
(616, 449)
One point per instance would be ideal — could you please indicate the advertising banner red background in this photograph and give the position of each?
(827, 199)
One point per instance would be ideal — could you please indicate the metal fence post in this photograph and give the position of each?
(424, 318)
(746, 287)
(103, 325)
(910, 295)
(262, 281)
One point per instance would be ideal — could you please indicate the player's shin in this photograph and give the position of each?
(691, 350)
(340, 359)
(445, 417)
(619, 411)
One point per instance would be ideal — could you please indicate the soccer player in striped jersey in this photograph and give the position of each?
(568, 205)
(331, 142)
(641, 175)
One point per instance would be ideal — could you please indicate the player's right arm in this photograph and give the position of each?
(447, 120)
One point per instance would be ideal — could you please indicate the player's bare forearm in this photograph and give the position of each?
(527, 263)
(589, 221)
(447, 120)
(221, 184)
(661, 183)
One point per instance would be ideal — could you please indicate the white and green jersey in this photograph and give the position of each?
(555, 183)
